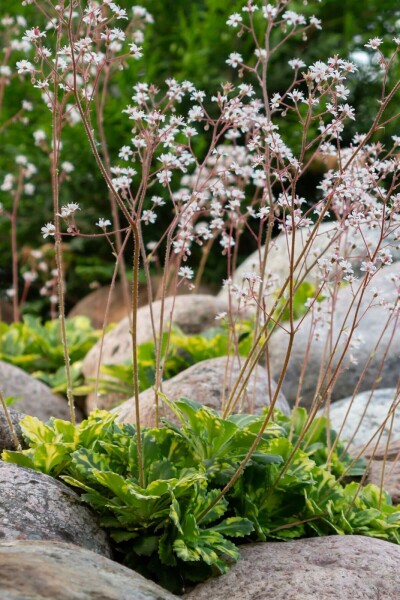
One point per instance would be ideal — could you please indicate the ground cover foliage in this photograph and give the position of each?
(176, 527)
(37, 348)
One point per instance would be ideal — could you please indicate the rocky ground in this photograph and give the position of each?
(66, 556)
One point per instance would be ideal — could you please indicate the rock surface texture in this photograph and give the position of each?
(375, 348)
(355, 245)
(192, 313)
(6, 438)
(329, 568)
(35, 398)
(383, 466)
(204, 383)
(366, 413)
(94, 305)
(56, 571)
(34, 506)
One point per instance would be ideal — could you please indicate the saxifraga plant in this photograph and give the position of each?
(177, 527)
(249, 177)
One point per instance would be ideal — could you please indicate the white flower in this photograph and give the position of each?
(125, 152)
(28, 106)
(374, 43)
(220, 316)
(5, 70)
(149, 216)
(68, 210)
(29, 276)
(67, 167)
(234, 59)
(136, 51)
(296, 63)
(186, 272)
(8, 182)
(157, 201)
(269, 11)
(263, 212)
(48, 229)
(24, 66)
(33, 34)
(20, 159)
(316, 22)
(234, 20)
(103, 223)
(293, 18)
(29, 189)
(368, 267)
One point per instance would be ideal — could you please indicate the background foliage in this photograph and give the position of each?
(192, 45)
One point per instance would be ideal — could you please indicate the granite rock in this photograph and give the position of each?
(32, 570)
(34, 506)
(359, 418)
(372, 356)
(6, 437)
(192, 313)
(33, 396)
(353, 245)
(208, 382)
(326, 568)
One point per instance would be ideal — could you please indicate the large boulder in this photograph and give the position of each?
(34, 506)
(94, 305)
(360, 417)
(55, 571)
(352, 244)
(208, 382)
(372, 355)
(327, 568)
(33, 396)
(192, 313)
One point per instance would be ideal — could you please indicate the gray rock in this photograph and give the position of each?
(56, 571)
(192, 313)
(366, 413)
(6, 437)
(383, 465)
(208, 382)
(34, 397)
(327, 568)
(353, 245)
(6, 312)
(94, 305)
(381, 366)
(387, 475)
(34, 506)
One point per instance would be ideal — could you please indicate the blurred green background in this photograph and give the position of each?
(189, 40)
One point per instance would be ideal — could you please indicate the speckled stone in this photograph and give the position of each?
(193, 313)
(57, 571)
(34, 506)
(375, 360)
(327, 568)
(391, 477)
(354, 245)
(34, 397)
(6, 438)
(360, 427)
(208, 382)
